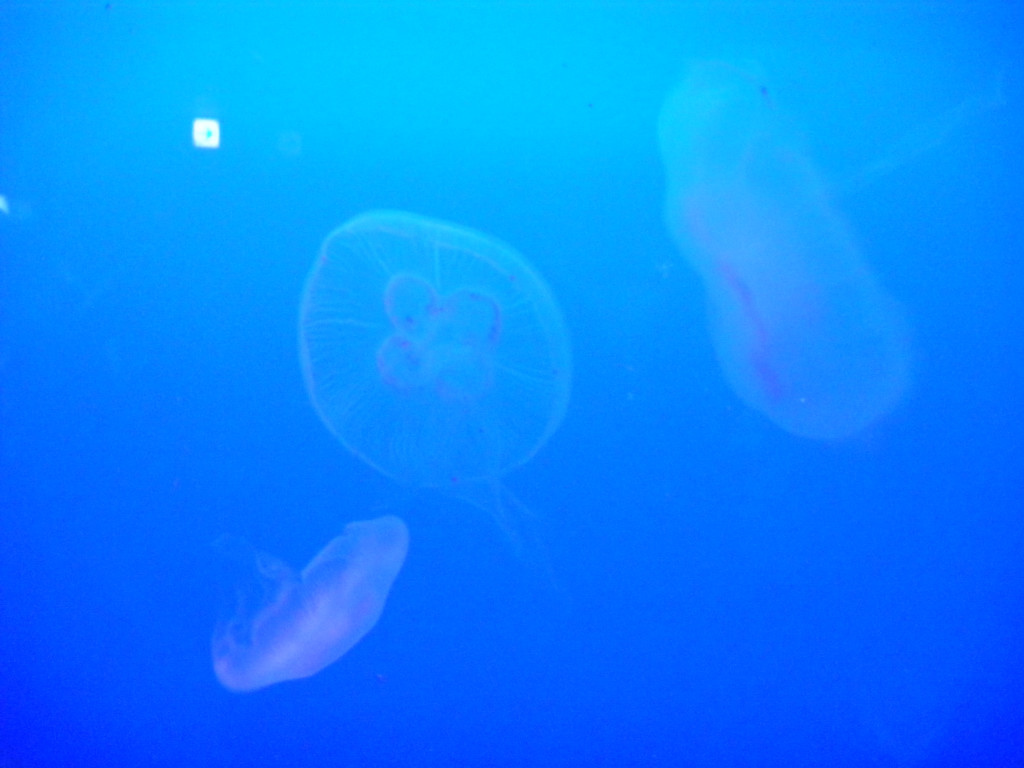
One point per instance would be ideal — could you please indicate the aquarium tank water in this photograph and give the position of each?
(555, 383)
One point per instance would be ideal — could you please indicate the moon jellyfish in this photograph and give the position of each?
(299, 623)
(433, 353)
(802, 329)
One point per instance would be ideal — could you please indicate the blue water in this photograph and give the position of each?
(718, 592)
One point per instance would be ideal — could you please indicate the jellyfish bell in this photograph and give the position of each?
(289, 625)
(434, 353)
(803, 330)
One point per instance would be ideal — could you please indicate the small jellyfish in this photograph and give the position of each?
(302, 622)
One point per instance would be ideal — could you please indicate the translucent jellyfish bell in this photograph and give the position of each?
(434, 353)
(292, 625)
(803, 330)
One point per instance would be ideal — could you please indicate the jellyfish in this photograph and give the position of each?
(435, 354)
(296, 624)
(803, 330)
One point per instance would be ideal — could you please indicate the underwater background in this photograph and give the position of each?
(716, 590)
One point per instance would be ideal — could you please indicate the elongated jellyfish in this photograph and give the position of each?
(802, 329)
(303, 622)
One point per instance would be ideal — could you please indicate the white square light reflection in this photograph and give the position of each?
(205, 133)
